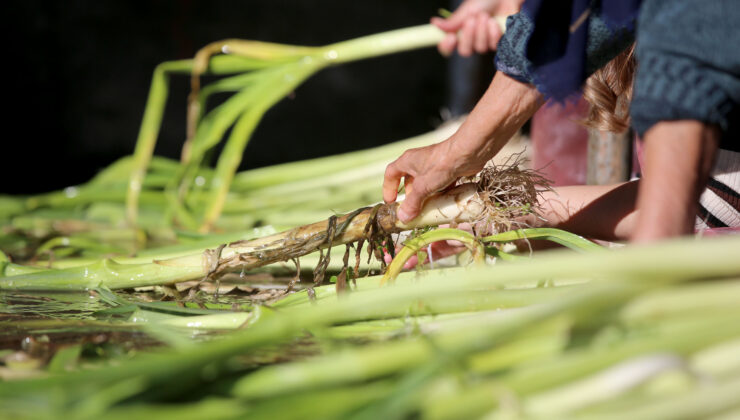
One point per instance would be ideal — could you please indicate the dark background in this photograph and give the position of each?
(81, 72)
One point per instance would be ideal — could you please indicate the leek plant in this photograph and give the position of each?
(463, 203)
(283, 196)
(267, 72)
(485, 201)
(475, 245)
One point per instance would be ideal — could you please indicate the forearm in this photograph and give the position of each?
(605, 212)
(678, 159)
(503, 109)
(679, 156)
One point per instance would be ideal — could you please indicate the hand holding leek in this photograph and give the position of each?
(504, 108)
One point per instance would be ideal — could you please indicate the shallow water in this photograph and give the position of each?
(39, 324)
(26, 306)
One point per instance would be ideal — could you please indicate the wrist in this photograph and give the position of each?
(510, 7)
(501, 112)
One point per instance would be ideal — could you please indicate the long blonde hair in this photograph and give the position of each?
(609, 92)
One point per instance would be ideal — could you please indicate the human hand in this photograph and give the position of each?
(503, 109)
(472, 26)
(425, 171)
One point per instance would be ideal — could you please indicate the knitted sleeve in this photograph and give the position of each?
(688, 64)
(602, 43)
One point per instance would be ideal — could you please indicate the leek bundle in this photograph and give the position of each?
(268, 72)
(470, 202)
(586, 345)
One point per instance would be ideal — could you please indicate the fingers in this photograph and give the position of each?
(446, 248)
(481, 34)
(447, 45)
(451, 24)
(494, 34)
(411, 262)
(438, 22)
(470, 29)
(465, 38)
(391, 182)
(424, 170)
(449, 42)
(416, 192)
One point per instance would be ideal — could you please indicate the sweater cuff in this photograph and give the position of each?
(670, 87)
(511, 51)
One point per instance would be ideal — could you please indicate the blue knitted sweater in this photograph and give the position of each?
(688, 54)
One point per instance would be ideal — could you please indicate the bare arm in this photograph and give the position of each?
(605, 212)
(503, 109)
(678, 159)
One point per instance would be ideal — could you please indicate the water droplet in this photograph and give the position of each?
(225, 49)
(200, 181)
(71, 192)
(307, 59)
(331, 55)
(241, 275)
(429, 255)
(26, 343)
(135, 186)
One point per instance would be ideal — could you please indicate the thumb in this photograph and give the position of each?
(411, 206)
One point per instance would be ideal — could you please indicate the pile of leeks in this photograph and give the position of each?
(641, 332)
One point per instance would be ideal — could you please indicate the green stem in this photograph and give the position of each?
(681, 340)
(561, 237)
(149, 131)
(152, 120)
(412, 246)
(384, 43)
(231, 156)
(644, 266)
(459, 336)
(307, 170)
(277, 84)
(700, 402)
(688, 301)
(104, 273)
